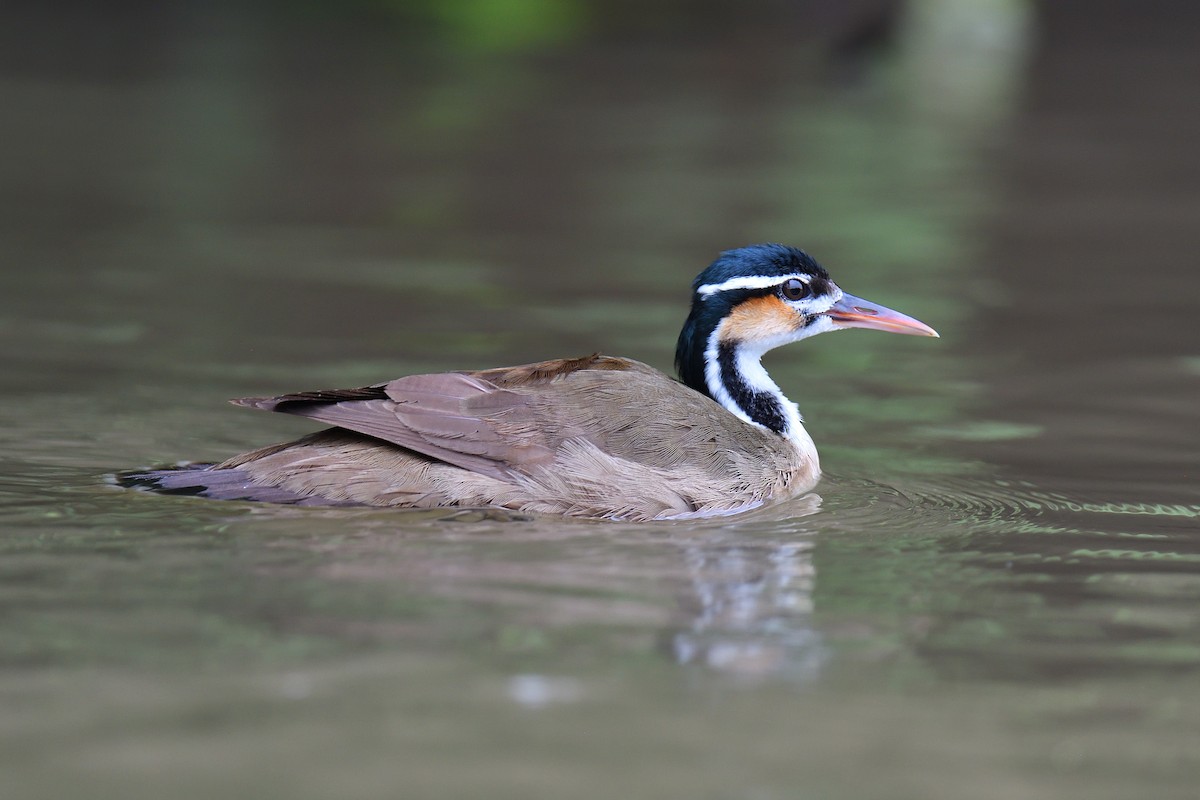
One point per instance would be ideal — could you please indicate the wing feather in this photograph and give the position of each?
(456, 417)
(595, 430)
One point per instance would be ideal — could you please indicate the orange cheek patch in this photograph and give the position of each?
(759, 318)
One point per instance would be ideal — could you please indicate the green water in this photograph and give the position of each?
(993, 593)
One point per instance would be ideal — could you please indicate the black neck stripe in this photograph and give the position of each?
(761, 407)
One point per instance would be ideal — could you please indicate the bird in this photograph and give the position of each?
(593, 437)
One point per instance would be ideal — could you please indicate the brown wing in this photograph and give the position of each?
(593, 436)
(495, 422)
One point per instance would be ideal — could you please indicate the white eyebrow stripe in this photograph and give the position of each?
(749, 282)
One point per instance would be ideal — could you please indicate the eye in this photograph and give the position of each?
(794, 289)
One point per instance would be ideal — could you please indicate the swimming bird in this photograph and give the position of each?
(594, 436)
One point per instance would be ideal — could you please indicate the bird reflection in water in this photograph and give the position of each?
(751, 607)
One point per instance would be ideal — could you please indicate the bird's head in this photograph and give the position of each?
(756, 298)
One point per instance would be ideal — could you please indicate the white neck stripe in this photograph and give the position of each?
(749, 282)
(755, 378)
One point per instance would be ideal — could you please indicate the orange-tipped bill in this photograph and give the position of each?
(854, 312)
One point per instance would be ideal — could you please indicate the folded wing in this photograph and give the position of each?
(470, 420)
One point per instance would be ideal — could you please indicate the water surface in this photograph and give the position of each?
(992, 594)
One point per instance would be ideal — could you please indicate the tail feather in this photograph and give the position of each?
(206, 480)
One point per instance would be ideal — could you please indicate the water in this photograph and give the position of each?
(993, 593)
